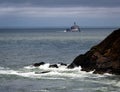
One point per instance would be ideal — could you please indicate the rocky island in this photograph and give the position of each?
(102, 58)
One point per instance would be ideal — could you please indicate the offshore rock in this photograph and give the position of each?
(50, 66)
(53, 66)
(38, 64)
(102, 58)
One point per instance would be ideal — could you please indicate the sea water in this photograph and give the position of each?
(21, 48)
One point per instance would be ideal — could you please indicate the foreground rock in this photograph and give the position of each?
(102, 58)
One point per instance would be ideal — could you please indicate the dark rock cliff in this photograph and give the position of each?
(102, 58)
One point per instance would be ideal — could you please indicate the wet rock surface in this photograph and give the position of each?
(102, 58)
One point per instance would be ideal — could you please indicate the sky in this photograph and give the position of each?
(59, 13)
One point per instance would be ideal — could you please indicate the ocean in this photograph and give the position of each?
(21, 48)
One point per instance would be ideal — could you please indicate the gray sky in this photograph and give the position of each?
(43, 13)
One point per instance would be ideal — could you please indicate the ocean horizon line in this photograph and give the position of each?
(61, 27)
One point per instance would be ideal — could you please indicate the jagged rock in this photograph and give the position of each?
(103, 58)
(38, 64)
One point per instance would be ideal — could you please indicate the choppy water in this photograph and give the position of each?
(19, 49)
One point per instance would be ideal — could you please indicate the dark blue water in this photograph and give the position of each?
(20, 48)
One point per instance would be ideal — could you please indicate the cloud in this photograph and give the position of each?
(59, 12)
(62, 3)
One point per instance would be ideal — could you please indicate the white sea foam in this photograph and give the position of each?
(61, 73)
(44, 71)
(117, 84)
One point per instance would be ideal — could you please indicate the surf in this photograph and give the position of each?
(46, 72)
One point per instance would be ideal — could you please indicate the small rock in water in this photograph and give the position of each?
(38, 64)
(53, 66)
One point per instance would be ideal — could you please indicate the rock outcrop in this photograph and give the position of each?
(102, 58)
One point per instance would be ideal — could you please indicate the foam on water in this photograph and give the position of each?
(61, 73)
(53, 73)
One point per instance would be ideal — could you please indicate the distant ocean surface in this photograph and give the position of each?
(20, 48)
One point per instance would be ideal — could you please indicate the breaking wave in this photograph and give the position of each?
(61, 73)
(44, 72)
